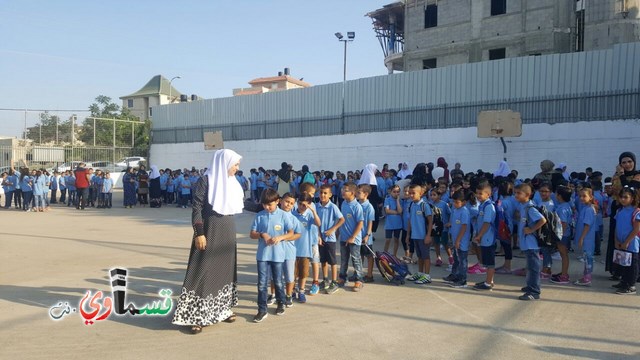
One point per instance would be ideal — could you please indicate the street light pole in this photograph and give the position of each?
(350, 36)
(170, 87)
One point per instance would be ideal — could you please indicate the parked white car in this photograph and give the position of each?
(72, 166)
(133, 161)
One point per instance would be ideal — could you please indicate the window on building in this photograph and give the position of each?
(430, 63)
(431, 16)
(150, 112)
(130, 103)
(496, 54)
(498, 7)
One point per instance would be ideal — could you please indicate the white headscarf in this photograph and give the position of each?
(225, 192)
(369, 175)
(403, 173)
(437, 173)
(154, 172)
(503, 169)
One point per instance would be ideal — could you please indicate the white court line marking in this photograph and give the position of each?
(496, 328)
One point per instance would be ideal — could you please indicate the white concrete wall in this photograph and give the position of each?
(579, 145)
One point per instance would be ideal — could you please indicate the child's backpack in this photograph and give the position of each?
(550, 234)
(501, 226)
(438, 224)
(308, 178)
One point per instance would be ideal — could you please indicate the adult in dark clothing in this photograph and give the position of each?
(143, 186)
(210, 291)
(284, 177)
(623, 177)
(369, 178)
(155, 193)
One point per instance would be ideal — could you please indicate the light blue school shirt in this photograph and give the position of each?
(107, 185)
(486, 214)
(625, 225)
(290, 246)
(302, 246)
(529, 216)
(329, 215)
(185, 187)
(566, 216)
(587, 216)
(39, 184)
(26, 183)
(275, 224)
(353, 214)
(417, 212)
(549, 205)
(369, 215)
(392, 221)
(461, 217)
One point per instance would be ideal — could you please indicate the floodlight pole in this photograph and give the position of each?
(350, 37)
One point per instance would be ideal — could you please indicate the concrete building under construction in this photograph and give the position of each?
(424, 34)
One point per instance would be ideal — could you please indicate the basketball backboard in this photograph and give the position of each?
(499, 123)
(213, 140)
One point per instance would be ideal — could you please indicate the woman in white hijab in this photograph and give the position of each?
(404, 172)
(503, 170)
(209, 290)
(155, 193)
(369, 177)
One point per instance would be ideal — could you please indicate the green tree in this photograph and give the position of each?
(126, 134)
(50, 130)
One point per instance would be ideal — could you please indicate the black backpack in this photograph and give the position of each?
(550, 234)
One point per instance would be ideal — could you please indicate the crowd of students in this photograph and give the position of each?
(457, 214)
(35, 190)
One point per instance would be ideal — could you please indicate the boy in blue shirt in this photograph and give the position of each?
(307, 216)
(107, 191)
(331, 220)
(351, 235)
(185, 190)
(460, 229)
(393, 222)
(369, 214)
(485, 235)
(271, 227)
(419, 233)
(435, 198)
(529, 223)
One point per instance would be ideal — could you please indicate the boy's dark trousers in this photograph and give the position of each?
(53, 196)
(63, 197)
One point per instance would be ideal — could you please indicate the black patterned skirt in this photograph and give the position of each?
(209, 291)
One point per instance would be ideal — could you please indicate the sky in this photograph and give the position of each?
(60, 55)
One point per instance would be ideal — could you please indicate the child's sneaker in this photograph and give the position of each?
(368, 279)
(271, 299)
(288, 302)
(519, 272)
(260, 316)
(477, 265)
(449, 278)
(314, 289)
(560, 279)
(341, 282)
(353, 278)
(483, 286)
(333, 287)
(529, 297)
(459, 285)
(439, 262)
(280, 309)
(357, 286)
(302, 298)
(544, 275)
(423, 279)
(583, 282)
(323, 285)
(627, 291)
(477, 271)
(450, 260)
(413, 277)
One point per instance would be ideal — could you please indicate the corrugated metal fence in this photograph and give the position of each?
(598, 85)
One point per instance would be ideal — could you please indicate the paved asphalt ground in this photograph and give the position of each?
(57, 256)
